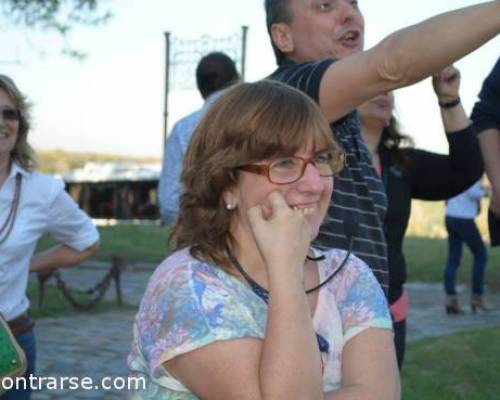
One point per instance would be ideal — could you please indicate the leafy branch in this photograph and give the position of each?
(60, 16)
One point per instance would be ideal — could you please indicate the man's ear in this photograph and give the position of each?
(282, 37)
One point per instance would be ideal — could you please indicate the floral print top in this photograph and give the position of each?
(189, 304)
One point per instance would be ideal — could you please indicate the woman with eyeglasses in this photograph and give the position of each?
(409, 173)
(245, 308)
(31, 204)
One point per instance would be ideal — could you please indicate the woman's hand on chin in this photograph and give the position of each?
(282, 234)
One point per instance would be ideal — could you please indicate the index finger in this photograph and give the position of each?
(277, 202)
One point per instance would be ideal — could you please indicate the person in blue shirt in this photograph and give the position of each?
(214, 72)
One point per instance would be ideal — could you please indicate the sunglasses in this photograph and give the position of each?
(10, 114)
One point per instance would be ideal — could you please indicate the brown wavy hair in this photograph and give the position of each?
(395, 141)
(22, 152)
(251, 122)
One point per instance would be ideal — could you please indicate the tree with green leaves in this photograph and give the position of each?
(60, 16)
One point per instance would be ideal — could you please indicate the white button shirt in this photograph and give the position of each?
(44, 207)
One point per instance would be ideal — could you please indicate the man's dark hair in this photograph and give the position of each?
(214, 72)
(277, 11)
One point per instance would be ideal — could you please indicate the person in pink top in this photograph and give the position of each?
(409, 173)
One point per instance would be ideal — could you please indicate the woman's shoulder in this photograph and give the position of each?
(181, 275)
(357, 292)
(189, 295)
(190, 304)
(349, 270)
(43, 183)
(183, 262)
(340, 259)
(38, 189)
(178, 265)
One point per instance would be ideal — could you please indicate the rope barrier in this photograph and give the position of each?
(97, 291)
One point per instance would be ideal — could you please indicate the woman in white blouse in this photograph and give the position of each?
(31, 204)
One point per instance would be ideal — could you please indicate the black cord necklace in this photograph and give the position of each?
(324, 346)
(11, 217)
(252, 282)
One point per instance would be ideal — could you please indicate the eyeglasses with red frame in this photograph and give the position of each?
(284, 170)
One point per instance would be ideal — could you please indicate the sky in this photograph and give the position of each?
(112, 102)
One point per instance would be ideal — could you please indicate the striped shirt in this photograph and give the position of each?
(359, 197)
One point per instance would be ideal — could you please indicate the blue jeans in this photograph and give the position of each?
(27, 343)
(464, 230)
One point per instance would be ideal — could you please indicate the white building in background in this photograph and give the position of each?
(120, 191)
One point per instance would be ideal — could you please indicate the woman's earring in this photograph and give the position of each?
(229, 207)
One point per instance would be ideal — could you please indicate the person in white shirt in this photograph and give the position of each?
(461, 212)
(215, 72)
(31, 204)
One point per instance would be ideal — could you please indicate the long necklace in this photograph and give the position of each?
(11, 217)
(323, 345)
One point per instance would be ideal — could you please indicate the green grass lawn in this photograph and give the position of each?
(133, 242)
(426, 260)
(463, 366)
(426, 246)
